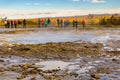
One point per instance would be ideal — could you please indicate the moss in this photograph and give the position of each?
(34, 78)
(114, 52)
(62, 50)
(95, 76)
(2, 69)
(103, 70)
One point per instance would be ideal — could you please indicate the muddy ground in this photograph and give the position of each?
(74, 60)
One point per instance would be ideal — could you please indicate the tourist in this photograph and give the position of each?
(19, 23)
(42, 22)
(83, 23)
(76, 24)
(49, 22)
(65, 23)
(45, 23)
(8, 24)
(39, 23)
(15, 23)
(58, 23)
(11, 24)
(61, 23)
(5, 22)
(24, 23)
(73, 23)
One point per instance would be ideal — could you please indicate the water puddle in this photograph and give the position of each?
(49, 65)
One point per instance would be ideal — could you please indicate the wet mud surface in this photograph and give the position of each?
(82, 58)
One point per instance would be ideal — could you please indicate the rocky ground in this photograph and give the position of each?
(77, 60)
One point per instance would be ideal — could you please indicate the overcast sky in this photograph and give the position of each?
(53, 8)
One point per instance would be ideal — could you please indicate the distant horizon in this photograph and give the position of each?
(56, 13)
(15, 9)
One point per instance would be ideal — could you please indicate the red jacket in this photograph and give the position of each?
(15, 22)
(83, 22)
(42, 21)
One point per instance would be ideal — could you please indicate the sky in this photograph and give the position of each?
(56, 8)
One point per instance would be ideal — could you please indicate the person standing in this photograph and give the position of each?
(24, 23)
(65, 23)
(73, 23)
(61, 23)
(5, 22)
(83, 23)
(8, 24)
(11, 24)
(58, 22)
(49, 22)
(19, 23)
(15, 23)
(45, 23)
(39, 23)
(42, 22)
(76, 24)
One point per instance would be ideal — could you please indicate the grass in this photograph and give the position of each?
(79, 26)
(61, 50)
(100, 26)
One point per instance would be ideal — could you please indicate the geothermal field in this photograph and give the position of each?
(60, 54)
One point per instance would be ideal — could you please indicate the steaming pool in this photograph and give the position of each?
(65, 36)
(109, 38)
(50, 37)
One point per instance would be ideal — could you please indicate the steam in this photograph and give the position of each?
(48, 36)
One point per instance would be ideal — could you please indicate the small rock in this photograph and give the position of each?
(2, 60)
(2, 57)
(114, 59)
(34, 78)
(21, 77)
(33, 71)
(95, 76)
(2, 70)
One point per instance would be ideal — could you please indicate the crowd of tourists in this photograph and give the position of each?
(44, 23)
(14, 23)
